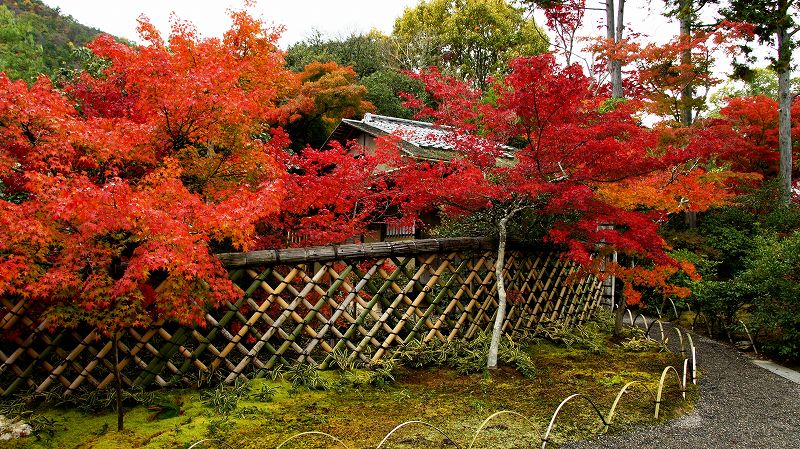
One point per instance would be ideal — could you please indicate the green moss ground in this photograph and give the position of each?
(361, 417)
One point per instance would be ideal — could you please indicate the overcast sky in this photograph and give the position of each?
(300, 17)
(332, 17)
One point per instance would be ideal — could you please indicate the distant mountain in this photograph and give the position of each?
(36, 38)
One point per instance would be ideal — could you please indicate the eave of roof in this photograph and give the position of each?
(441, 151)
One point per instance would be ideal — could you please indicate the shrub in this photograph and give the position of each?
(465, 356)
(774, 276)
(306, 375)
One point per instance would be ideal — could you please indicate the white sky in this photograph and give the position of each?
(299, 17)
(331, 17)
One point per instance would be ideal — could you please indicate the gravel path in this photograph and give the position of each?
(741, 406)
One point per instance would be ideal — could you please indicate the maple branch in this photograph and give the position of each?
(26, 131)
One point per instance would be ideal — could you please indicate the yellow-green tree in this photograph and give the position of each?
(471, 39)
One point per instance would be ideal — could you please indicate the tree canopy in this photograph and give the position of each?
(471, 39)
(129, 181)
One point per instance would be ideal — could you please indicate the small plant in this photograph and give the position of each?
(164, 408)
(276, 373)
(464, 356)
(478, 404)
(265, 394)
(643, 344)
(248, 412)
(219, 427)
(382, 372)
(352, 378)
(225, 398)
(588, 336)
(402, 395)
(343, 360)
(304, 375)
(513, 354)
(612, 381)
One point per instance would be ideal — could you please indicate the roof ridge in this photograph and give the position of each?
(369, 116)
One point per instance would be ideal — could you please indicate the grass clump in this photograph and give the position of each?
(465, 356)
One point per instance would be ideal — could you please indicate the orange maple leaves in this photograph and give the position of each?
(118, 189)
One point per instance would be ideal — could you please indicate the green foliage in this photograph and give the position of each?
(225, 398)
(20, 56)
(343, 361)
(384, 88)
(365, 53)
(728, 233)
(471, 39)
(93, 401)
(640, 343)
(382, 372)
(465, 357)
(48, 40)
(306, 375)
(773, 275)
(746, 254)
(590, 336)
(761, 81)
(265, 394)
(369, 56)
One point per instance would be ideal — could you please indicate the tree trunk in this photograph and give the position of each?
(619, 315)
(784, 113)
(685, 17)
(614, 29)
(500, 317)
(118, 384)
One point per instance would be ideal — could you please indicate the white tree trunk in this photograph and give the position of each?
(784, 113)
(500, 317)
(685, 17)
(614, 29)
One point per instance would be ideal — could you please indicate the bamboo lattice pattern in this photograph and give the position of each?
(302, 305)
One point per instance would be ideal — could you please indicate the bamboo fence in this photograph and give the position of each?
(303, 306)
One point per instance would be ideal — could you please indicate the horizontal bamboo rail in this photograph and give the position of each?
(302, 306)
(353, 251)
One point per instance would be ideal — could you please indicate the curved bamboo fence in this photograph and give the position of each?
(304, 304)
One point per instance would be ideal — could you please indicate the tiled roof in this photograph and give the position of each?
(420, 139)
(421, 134)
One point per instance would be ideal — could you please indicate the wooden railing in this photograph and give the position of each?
(304, 305)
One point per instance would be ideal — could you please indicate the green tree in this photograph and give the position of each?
(365, 53)
(56, 34)
(759, 81)
(471, 39)
(368, 56)
(384, 89)
(20, 56)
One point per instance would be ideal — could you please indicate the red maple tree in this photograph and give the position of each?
(118, 188)
(579, 160)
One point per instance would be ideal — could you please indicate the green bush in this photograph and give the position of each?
(748, 254)
(465, 356)
(773, 274)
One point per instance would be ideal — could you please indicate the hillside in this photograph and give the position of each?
(36, 38)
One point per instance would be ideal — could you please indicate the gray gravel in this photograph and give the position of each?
(741, 406)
